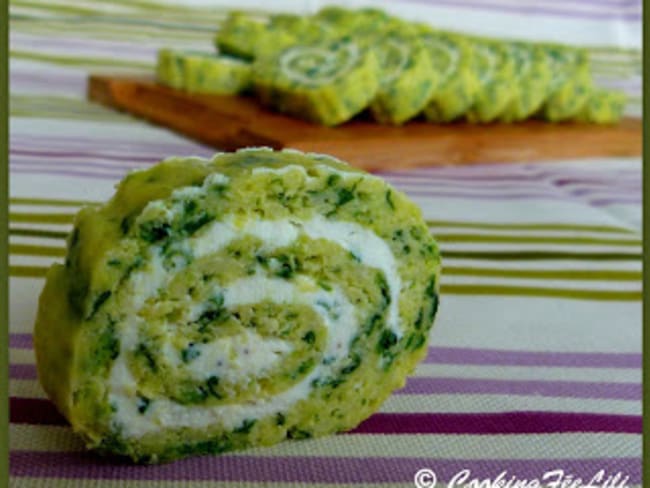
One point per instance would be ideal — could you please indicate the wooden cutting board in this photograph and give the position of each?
(232, 122)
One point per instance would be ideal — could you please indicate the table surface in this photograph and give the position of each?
(534, 362)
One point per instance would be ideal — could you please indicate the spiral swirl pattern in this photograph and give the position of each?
(236, 302)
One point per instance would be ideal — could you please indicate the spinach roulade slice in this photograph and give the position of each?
(407, 78)
(451, 56)
(603, 107)
(239, 35)
(495, 70)
(326, 83)
(201, 72)
(571, 85)
(212, 305)
(532, 79)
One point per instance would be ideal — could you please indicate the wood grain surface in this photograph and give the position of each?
(232, 122)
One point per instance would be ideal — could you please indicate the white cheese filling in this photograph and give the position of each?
(342, 325)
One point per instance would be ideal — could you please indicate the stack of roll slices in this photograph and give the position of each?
(329, 67)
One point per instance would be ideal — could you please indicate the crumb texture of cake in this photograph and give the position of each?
(214, 305)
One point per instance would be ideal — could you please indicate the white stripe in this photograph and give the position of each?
(426, 446)
(538, 324)
(456, 403)
(611, 375)
(606, 285)
(523, 247)
(546, 264)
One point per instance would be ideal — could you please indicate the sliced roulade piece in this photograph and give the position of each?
(327, 83)
(201, 72)
(495, 70)
(451, 57)
(217, 74)
(571, 84)
(212, 305)
(169, 68)
(533, 75)
(357, 22)
(603, 107)
(407, 78)
(240, 35)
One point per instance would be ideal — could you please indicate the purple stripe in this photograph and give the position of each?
(612, 3)
(538, 388)
(87, 142)
(543, 187)
(76, 84)
(19, 161)
(22, 371)
(81, 154)
(417, 193)
(306, 469)
(31, 163)
(523, 196)
(507, 180)
(493, 357)
(521, 10)
(496, 357)
(38, 411)
(479, 176)
(473, 386)
(498, 423)
(21, 341)
(34, 411)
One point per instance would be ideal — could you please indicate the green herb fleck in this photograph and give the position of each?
(387, 340)
(99, 301)
(389, 199)
(309, 337)
(246, 426)
(190, 353)
(155, 231)
(296, 433)
(143, 404)
(212, 384)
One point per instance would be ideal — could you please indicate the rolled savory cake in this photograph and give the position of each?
(571, 84)
(201, 72)
(407, 78)
(495, 70)
(325, 83)
(217, 74)
(532, 79)
(451, 56)
(212, 305)
(603, 107)
(240, 35)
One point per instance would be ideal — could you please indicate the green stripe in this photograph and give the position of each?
(41, 218)
(32, 250)
(545, 274)
(540, 255)
(535, 239)
(47, 234)
(529, 291)
(52, 7)
(27, 271)
(100, 30)
(79, 60)
(50, 202)
(528, 226)
(45, 106)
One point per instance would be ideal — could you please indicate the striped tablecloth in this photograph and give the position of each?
(534, 365)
